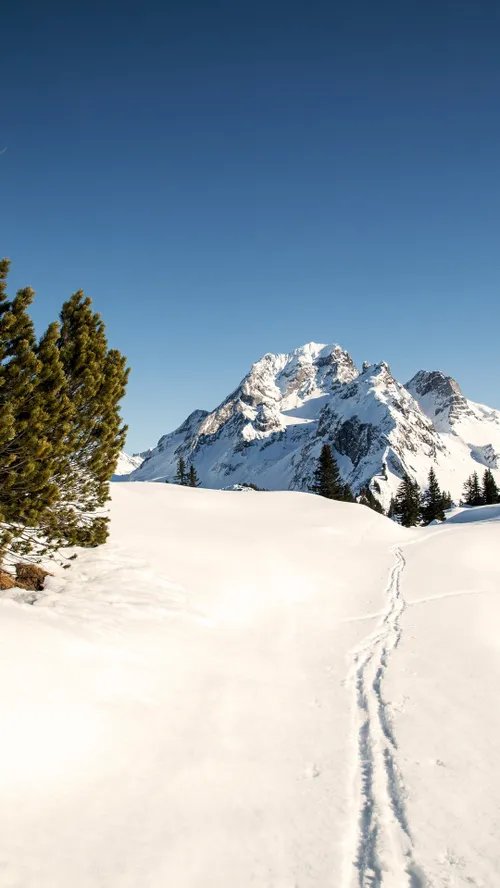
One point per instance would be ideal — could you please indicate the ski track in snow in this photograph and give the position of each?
(382, 856)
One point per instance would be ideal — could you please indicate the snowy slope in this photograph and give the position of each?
(269, 431)
(255, 691)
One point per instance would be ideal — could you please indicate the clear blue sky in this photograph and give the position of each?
(230, 178)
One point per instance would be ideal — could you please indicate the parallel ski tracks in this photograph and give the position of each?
(382, 852)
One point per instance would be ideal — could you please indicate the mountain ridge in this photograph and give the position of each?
(270, 428)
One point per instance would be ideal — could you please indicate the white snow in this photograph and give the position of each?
(127, 464)
(265, 691)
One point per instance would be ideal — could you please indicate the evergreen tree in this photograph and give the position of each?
(96, 378)
(58, 417)
(432, 508)
(193, 480)
(367, 498)
(327, 481)
(347, 494)
(391, 512)
(473, 494)
(407, 505)
(491, 494)
(447, 500)
(60, 430)
(7, 430)
(19, 377)
(29, 432)
(181, 476)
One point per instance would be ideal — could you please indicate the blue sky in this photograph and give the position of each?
(230, 178)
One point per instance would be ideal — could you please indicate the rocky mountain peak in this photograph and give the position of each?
(270, 429)
(439, 397)
(435, 381)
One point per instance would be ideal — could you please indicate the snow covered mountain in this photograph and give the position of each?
(127, 464)
(269, 431)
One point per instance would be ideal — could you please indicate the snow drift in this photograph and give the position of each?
(253, 691)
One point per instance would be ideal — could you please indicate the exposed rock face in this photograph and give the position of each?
(270, 429)
(439, 396)
(426, 381)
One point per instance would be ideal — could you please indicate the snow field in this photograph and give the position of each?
(266, 690)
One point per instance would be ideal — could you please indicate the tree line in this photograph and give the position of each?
(411, 506)
(60, 426)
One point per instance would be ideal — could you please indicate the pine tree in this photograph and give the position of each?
(58, 417)
(327, 481)
(193, 480)
(391, 511)
(432, 508)
(7, 430)
(96, 378)
(407, 505)
(491, 494)
(60, 429)
(181, 476)
(347, 494)
(27, 487)
(447, 500)
(473, 495)
(367, 498)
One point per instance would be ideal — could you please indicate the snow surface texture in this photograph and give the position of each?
(263, 691)
(270, 430)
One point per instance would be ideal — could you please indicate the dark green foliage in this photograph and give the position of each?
(491, 494)
(181, 476)
(473, 494)
(327, 481)
(60, 429)
(23, 443)
(347, 494)
(407, 504)
(432, 508)
(367, 498)
(391, 511)
(96, 378)
(33, 415)
(7, 426)
(193, 480)
(447, 500)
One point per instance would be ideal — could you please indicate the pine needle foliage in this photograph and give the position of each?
(473, 494)
(407, 502)
(327, 481)
(347, 494)
(432, 508)
(491, 493)
(193, 480)
(447, 500)
(60, 426)
(181, 475)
